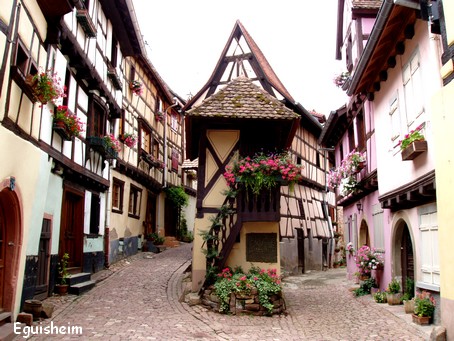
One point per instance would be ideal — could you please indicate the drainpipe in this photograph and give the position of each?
(330, 226)
(164, 178)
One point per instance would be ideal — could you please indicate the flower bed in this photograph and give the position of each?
(257, 293)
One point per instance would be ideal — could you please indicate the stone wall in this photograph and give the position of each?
(243, 303)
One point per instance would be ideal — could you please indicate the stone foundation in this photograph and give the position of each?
(244, 303)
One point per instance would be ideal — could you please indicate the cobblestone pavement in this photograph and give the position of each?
(138, 299)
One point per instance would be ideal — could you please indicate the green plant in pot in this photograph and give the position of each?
(407, 298)
(424, 304)
(63, 274)
(394, 296)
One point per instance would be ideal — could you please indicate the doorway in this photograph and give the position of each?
(363, 234)
(406, 257)
(10, 244)
(42, 281)
(72, 226)
(171, 218)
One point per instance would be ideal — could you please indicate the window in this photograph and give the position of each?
(174, 122)
(95, 213)
(379, 234)
(135, 198)
(98, 119)
(24, 61)
(360, 131)
(351, 138)
(145, 139)
(117, 195)
(394, 116)
(430, 262)
(413, 89)
(175, 159)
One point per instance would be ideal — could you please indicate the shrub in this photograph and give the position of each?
(266, 282)
(394, 286)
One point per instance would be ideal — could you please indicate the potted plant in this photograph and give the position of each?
(63, 275)
(340, 79)
(66, 124)
(407, 298)
(424, 308)
(380, 297)
(46, 86)
(394, 296)
(136, 87)
(263, 171)
(413, 144)
(129, 140)
(368, 259)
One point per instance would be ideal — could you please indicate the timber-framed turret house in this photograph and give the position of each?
(244, 109)
(92, 185)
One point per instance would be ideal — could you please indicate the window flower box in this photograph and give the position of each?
(107, 145)
(45, 86)
(66, 124)
(86, 23)
(116, 81)
(413, 150)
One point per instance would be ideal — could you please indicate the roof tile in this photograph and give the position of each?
(240, 98)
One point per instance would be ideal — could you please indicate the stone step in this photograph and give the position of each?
(171, 242)
(78, 278)
(5, 317)
(80, 288)
(7, 332)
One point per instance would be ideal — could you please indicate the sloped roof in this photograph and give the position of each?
(243, 99)
(262, 69)
(366, 4)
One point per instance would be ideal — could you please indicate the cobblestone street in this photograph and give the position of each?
(139, 300)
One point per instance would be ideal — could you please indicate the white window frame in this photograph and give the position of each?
(429, 276)
(413, 89)
(394, 116)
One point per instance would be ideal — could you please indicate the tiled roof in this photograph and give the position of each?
(188, 164)
(242, 99)
(375, 4)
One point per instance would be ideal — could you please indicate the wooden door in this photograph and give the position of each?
(171, 218)
(300, 238)
(407, 260)
(42, 282)
(150, 215)
(72, 226)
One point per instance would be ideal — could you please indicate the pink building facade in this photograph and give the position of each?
(392, 76)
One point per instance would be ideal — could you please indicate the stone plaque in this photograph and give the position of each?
(261, 247)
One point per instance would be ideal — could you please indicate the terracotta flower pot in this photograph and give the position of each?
(394, 299)
(421, 320)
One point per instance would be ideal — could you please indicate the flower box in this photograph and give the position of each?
(414, 149)
(100, 145)
(116, 81)
(86, 23)
(59, 126)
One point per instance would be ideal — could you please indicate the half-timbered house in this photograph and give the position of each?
(93, 193)
(245, 108)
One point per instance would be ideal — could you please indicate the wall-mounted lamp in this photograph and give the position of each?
(359, 206)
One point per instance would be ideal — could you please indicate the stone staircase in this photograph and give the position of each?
(171, 242)
(80, 283)
(6, 327)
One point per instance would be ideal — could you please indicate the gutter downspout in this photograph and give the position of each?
(164, 178)
(382, 18)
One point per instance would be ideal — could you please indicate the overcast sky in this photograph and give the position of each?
(185, 39)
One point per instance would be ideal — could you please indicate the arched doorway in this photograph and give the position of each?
(363, 234)
(403, 253)
(10, 243)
